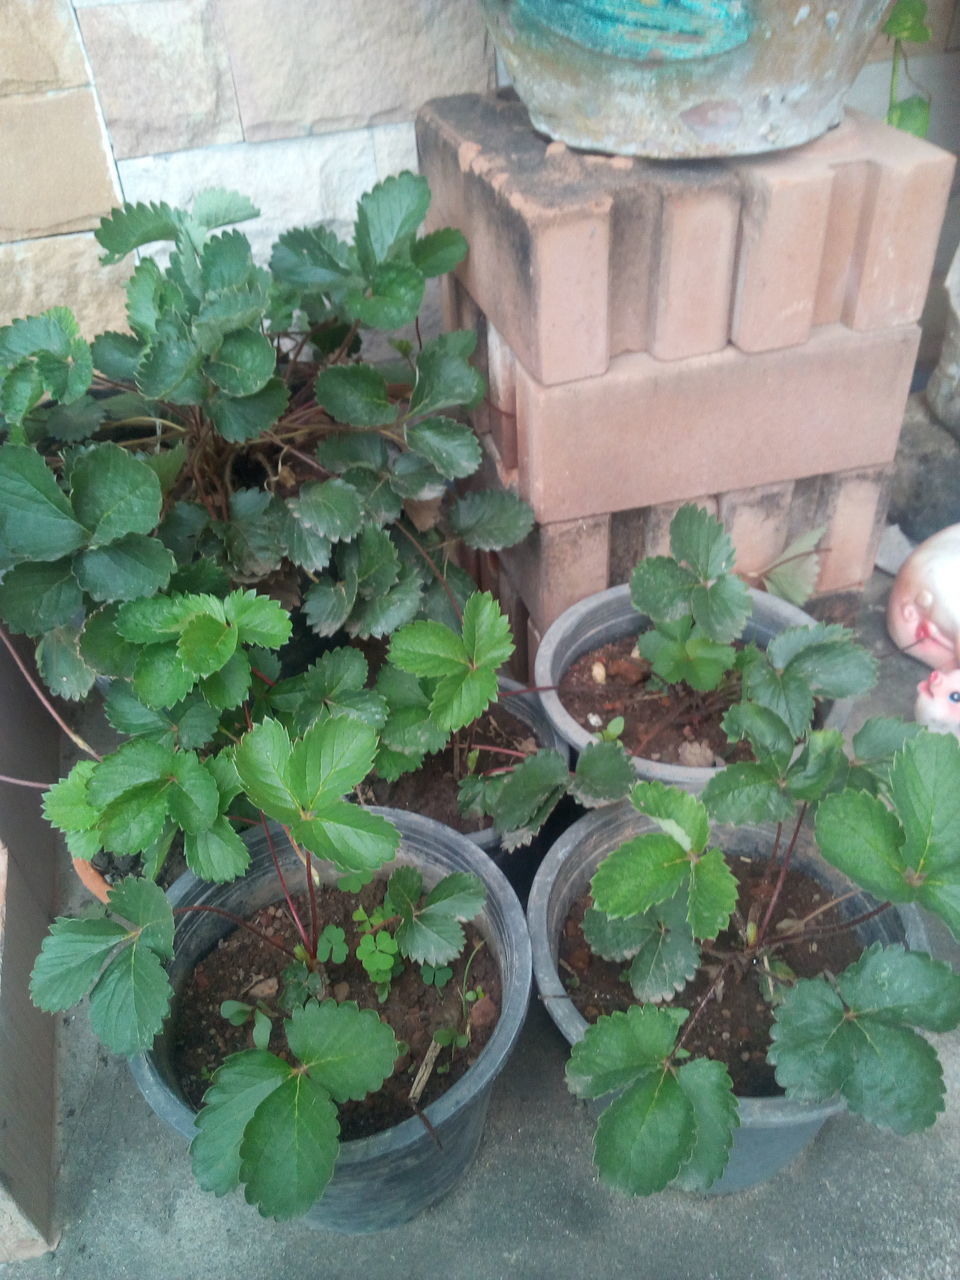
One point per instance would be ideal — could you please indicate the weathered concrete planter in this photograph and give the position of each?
(666, 79)
(773, 1131)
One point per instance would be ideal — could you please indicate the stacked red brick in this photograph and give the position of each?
(738, 332)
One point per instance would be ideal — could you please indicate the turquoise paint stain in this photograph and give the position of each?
(644, 30)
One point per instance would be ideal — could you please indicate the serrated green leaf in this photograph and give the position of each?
(262, 760)
(240, 418)
(821, 763)
(620, 1048)
(252, 536)
(603, 773)
(389, 215)
(348, 1051)
(72, 423)
(62, 667)
(858, 835)
(881, 737)
(238, 1088)
(132, 567)
(642, 872)
(661, 588)
(330, 508)
(449, 446)
(746, 793)
(128, 715)
(133, 225)
(902, 986)
(289, 1148)
(645, 1137)
(698, 538)
(444, 378)
(259, 620)
(428, 649)
(722, 608)
(333, 756)
(812, 1043)
(39, 597)
(486, 631)
(160, 678)
(216, 853)
(313, 257)
(787, 693)
(350, 837)
(460, 699)
(65, 804)
(491, 520)
(439, 251)
(36, 519)
(412, 476)
(114, 494)
(461, 894)
(772, 742)
(71, 957)
(897, 1080)
(169, 370)
(709, 1090)
(145, 905)
(381, 615)
(356, 394)
(712, 894)
(923, 785)
(533, 785)
(217, 206)
(430, 937)
(353, 450)
(194, 799)
(793, 575)
(21, 389)
(103, 648)
(206, 644)
(226, 261)
(678, 813)
(245, 362)
(130, 1000)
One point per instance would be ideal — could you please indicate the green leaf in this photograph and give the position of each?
(659, 944)
(327, 604)
(678, 813)
(333, 756)
(661, 588)
(827, 657)
(622, 1047)
(530, 792)
(194, 799)
(36, 519)
(72, 422)
(461, 894)
(813, 1044)
(881, 737)
(793, 575)
(244, 363)
(460, 699)
(772, 742)
(444, 377)
(238, 1088)
(722, 608)
(603, 773)
(819, 766)
(103, 648)
(128, 715)
(697, 538)
(389, 215)
(356, 394)
(449, 446)
(709, 1090)
(114, 494)
(134, 566)
(260, 620)
(65, 804)
(428, 649)
(288, 1149)
(62, 667)
(20, 391)
(713, 894)
(330, 508)
(347, 1051)
(216, 207)
(217, 853)
(252, 535)
(923, 785)
(240, 418)
(486, 631)
(787, 693)
(71, 957)
(169, 370)
(350, 837)
(130, 1000)
(746, 793)
(491, 520)
(353, 450)
(903, 986)
(160, 678)
(640, 873)
(39, 597)
(646, 1136)
(145, 905)
(228, 311)
(206, 644)
(262, 760)
(313, 257)
(431, 936)
(859, 836)
(439, 251)
(912, 114)
(133, 225)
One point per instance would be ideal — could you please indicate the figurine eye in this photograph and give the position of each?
(955, 696)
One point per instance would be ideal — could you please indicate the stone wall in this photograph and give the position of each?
(300, 104)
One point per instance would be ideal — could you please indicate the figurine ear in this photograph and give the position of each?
(909, 611)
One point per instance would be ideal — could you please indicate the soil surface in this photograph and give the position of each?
(244, 967)
(670, 723)
(734, 1025)
(432, 789)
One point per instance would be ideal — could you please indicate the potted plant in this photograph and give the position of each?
(695, 913)
(676, 80)
(702, 633)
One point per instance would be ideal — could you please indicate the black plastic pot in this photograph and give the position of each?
(773, 1131)
(610, 615)
(381, 1181)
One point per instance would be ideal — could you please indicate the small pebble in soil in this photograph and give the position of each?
(599, 673)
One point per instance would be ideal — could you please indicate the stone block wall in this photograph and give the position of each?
(302, 105)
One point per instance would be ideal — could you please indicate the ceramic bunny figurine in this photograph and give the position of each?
(938, 702)
(923, 612)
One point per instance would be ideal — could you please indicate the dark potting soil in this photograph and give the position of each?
(432, 789)
(733, 1027)
(670, 723)
(244, 967)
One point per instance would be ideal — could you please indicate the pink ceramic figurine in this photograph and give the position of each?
(923, 612)
(938, 702)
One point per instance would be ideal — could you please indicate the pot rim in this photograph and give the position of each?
(769, 1112)
(501, 902)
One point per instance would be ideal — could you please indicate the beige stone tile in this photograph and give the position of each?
(395, 148)
(163, 75)
(55, 173)
(294, 183)
(63, 271)
(39, 47)
(302, 67)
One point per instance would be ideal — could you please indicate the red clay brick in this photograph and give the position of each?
(853, 506)
(559, 564)
(758, 521)
(651, 432)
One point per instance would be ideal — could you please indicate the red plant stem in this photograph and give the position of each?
(240, 923)
(688, 1026)
(298, 924)
(500, 751)
(260, 676)
(306, 857)
(781, 879)
(826, 930)
(45, 701)
(22, 782)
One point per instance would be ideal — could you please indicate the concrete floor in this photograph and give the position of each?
(860, 1203)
